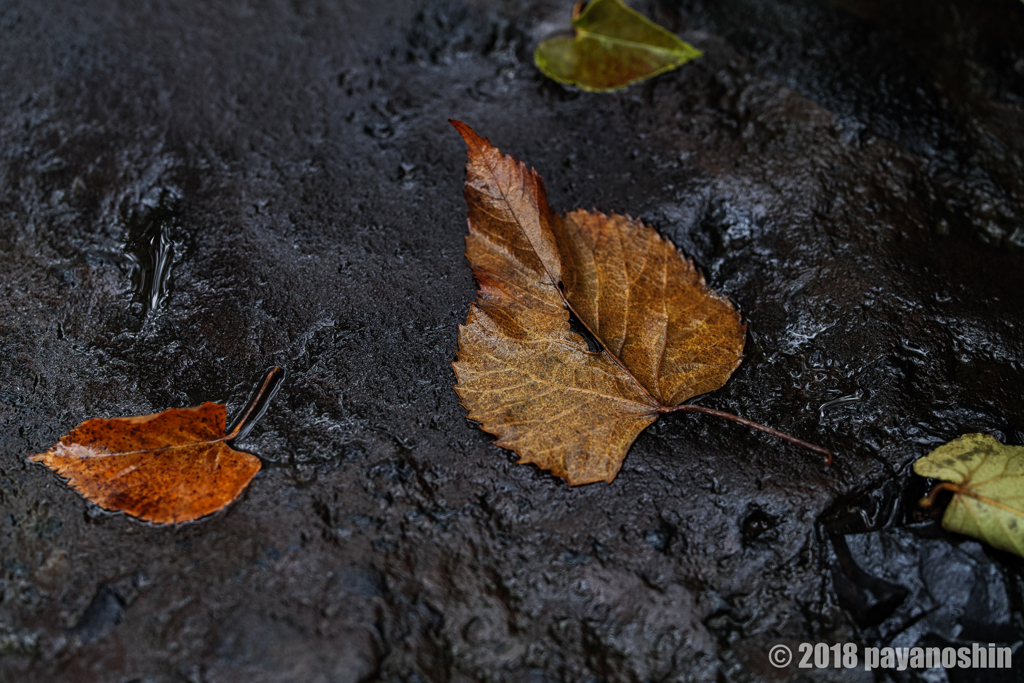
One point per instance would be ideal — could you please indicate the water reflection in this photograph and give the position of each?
(151, 251)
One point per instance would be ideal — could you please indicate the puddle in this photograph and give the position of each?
(151, 251)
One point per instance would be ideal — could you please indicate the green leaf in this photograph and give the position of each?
(614, 46)
(987, 480)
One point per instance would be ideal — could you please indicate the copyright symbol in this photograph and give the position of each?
(780, 656)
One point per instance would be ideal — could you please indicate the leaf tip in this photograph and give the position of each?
(467, 133)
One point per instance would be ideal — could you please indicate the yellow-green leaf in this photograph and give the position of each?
(614, 46)
(987, 480)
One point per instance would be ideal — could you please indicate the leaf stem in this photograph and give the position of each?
(928, 501)
(256, 403)
(691, 408)
(968, 492)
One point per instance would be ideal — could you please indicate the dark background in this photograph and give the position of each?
(192, 192)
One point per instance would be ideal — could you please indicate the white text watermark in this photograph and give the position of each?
(850, 656)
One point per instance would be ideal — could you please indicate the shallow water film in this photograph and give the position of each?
(191, 193)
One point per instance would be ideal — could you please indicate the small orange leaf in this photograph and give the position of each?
(166, 468)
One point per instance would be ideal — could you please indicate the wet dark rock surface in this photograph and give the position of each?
(191, 193)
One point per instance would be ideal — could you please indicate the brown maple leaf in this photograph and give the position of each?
(166, 468)
(522, 372)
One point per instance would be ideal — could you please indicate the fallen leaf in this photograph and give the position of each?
(987, 481)
(614, 46)
(522, 372)
(166, 468)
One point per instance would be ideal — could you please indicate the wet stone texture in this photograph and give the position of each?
(190, 193)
